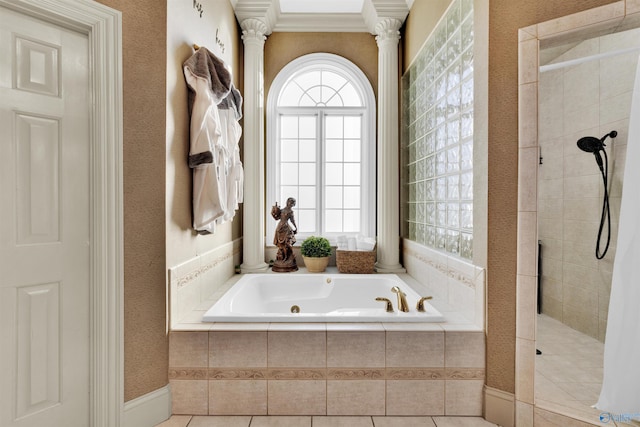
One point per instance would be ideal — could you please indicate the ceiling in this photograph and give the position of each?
(321, 16)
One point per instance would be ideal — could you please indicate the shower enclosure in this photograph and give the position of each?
(584, 99)
(583, 92)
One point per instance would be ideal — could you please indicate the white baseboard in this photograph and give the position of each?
(499, 407)
(148, 410)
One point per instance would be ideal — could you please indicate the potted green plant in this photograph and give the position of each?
(315, 252)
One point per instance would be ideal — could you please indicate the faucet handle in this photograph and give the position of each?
(389, 306)
(420, 305)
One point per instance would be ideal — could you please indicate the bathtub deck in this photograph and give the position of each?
(320, 369)
(454, 319)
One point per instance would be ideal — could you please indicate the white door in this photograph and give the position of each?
(44, 224)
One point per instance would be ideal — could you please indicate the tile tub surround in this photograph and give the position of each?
(328, 369)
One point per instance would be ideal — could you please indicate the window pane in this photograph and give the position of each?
(287, 191)
(351, 174)
(308, 127)
(352, 197)
(307, 151)
(307, 199)
(289, 173)
(350, 96)
(308, 79)
(334, 150)
(288, 126)
(352, 127)
(333, 174)
(289, 150)
(306, 220)
(334, 126)
(333, 221)
(290, 95)
(335, 101)
(333, 197)
(307, 174)
(351, 221)
(333, 80)
(352, 150)
(330, 97)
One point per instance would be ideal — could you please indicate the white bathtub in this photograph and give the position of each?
(320, 298)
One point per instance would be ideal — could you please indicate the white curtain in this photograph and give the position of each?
(620, 392)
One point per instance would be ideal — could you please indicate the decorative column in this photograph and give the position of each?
(253, 36)
(388, 36)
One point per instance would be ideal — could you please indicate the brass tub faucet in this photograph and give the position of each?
(402, 299)
(389, 306)
(420, 305)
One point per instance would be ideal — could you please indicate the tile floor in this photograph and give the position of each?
(305, 421)
(569, 370)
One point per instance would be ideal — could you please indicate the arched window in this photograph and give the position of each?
(321, 146)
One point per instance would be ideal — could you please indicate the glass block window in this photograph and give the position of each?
(321, 146)
(437, 137)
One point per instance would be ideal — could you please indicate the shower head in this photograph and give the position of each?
(590, 144)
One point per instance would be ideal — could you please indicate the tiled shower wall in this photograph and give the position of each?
(589, 99)
(327, 369)
(437, 137)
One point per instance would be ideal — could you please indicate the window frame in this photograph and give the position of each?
(368, 148)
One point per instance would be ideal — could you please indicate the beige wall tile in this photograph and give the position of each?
(463, 397)
(238, 349)
(528, 115)
(415, 349)
(415, 397)
(188, 349)
(528, 61)
(189, 397)
(524, 414)
(297, 397)
(526, 309)
(355, 349)
(527, 243)
(237, 397)
(525, 369)
(528, 160)
(356, 397)
(464, 349)
(297, 349)
(611, 12)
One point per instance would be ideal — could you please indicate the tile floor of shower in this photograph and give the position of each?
(569, 370)
(323, 421)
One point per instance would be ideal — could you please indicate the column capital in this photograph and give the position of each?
(388, 29)
(253, 29)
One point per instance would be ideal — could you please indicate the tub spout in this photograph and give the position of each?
(420, 305)
(402, 299)
(389, 306)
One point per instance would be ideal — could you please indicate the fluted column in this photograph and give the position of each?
(253, 36)
(388, 36)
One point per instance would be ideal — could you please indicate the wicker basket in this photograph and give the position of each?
(356, 262)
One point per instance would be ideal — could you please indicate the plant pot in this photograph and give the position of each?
(316, 265)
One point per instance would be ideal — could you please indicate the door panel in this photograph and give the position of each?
(44, 224)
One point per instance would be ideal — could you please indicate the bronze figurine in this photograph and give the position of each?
(285, 237)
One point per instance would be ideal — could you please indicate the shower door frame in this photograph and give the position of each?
(614, 17)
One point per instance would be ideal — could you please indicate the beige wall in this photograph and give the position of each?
(505, 18)
(282, 48)
(144, 59)
(419, 24)
(157, 183)
(186, 27)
